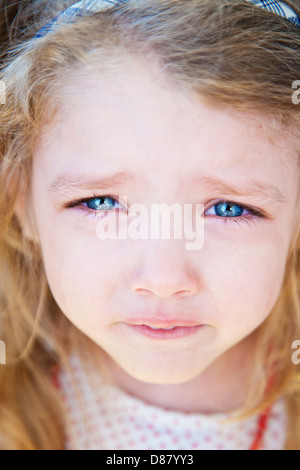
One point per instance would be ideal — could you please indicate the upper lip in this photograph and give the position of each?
(159, 322)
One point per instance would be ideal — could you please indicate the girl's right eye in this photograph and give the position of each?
(99, 203)
(95, 205)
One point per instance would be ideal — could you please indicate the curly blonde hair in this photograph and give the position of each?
(230, 52)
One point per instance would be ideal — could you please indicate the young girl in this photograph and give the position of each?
(139, 343)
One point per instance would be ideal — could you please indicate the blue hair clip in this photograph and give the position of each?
(280, 8)
(76, 10)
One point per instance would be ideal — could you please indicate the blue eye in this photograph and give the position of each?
(228, 209)
(95, 205)
(234, 212)
(99, 203)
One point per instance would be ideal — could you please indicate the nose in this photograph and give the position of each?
(165, 271)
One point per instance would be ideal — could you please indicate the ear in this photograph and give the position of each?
(25, 217)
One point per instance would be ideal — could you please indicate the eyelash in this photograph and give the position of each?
(78, 203)
(251, 217)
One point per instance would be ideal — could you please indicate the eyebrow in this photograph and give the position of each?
(252, 189)
(64, 184)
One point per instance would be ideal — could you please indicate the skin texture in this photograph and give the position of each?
(137, 121)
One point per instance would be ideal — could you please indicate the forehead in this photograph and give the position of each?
(136, 116)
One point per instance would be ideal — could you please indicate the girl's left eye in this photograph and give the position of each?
(234, 211)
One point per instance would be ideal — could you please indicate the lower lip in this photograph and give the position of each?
(177, 332)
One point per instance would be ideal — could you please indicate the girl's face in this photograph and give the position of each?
(166, 147)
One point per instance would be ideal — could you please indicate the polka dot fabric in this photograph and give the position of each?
(102, 417)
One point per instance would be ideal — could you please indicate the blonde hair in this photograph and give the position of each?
(230, 53)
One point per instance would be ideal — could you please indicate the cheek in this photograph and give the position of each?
(246, 280)
(82, 273)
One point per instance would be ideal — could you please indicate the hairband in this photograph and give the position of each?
(95, 6)
(76, 10)
(281, 8)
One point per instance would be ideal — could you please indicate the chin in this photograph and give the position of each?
(164, 376)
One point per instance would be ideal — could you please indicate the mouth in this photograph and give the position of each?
(164, 330)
